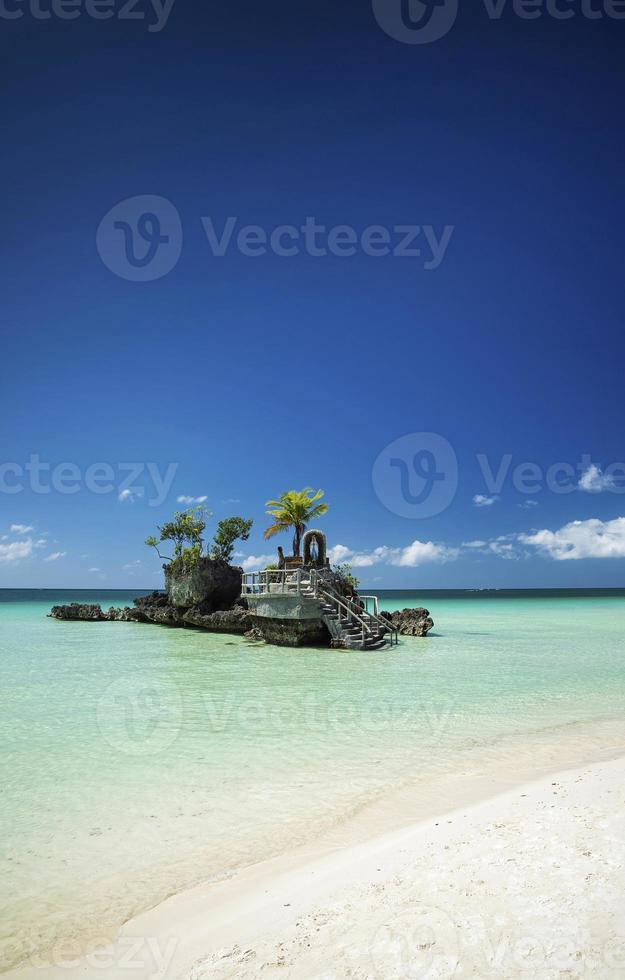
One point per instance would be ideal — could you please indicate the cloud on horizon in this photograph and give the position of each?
(580, 539)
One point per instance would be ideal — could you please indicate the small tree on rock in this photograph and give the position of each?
(229, 530)
(185, 530)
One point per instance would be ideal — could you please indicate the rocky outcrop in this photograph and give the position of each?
(78, 611)
(155, 608)
(235, 620)
(291, 632)
(212, 584)
(411, 622)
(125, 615)
(153, 599)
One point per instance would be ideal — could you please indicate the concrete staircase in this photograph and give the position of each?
(349, 625)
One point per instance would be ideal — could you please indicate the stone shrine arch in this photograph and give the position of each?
(315, 548)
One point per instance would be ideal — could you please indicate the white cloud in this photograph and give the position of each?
(480, 500)
(366, 559)
(255, 563)
(131, 565)
(41, 543)
(593, 480)
(129, 495)
(417, 553)
(504, 546)
(16, 550)
(93, 570)
(528, 504)
(421, 552)
(338, 553)
(184, 499)
(55, 556)
(581, 539)
(21, 528)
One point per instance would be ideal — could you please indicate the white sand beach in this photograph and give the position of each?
(529, 883)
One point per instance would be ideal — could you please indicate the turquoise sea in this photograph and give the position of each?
(138, 760)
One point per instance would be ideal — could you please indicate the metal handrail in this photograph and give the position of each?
(350, 612)
(386, 625)
(292, 580)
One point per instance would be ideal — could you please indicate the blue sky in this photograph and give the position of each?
(496, 151)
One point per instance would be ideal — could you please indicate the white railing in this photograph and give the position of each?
(279, 581)
(311, 582)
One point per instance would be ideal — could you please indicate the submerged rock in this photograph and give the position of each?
(411, 622)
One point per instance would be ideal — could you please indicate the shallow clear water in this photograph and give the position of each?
(137, 760)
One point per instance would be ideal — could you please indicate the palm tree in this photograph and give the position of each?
(296, 509)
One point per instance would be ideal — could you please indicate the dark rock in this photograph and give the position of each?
(125, 615)
(78, 611)
(212, 584)
(293, 632)
(153, 599)
(235, 620)
(156, 608)
(410, 622)
(254, 634)
(163, 615)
